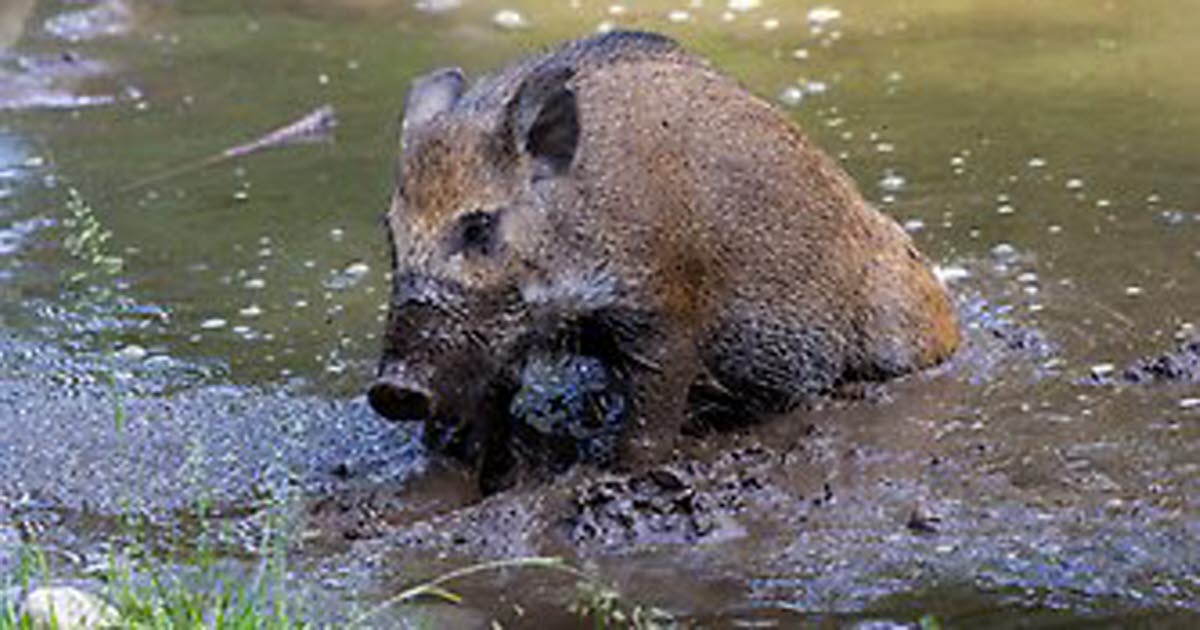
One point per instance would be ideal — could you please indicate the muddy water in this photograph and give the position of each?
(1042, 154)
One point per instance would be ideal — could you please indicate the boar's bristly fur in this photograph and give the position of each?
(619, 199)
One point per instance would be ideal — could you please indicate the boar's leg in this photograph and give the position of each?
(759, 366)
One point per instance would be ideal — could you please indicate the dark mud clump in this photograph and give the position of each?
(1181, 365)
(1178, 366)
(659, 506)
(684, 503)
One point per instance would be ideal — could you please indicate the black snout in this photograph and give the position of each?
(397, 400)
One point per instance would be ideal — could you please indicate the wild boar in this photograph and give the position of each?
(621, 203)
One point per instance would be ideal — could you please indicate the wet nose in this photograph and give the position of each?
(396, 399)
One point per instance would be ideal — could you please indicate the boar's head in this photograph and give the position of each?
(478, 233)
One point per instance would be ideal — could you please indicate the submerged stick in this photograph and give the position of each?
(316, 126)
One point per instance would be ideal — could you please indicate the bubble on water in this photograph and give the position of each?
(958, 161)
(950, 273)
(1074, 183)
(1172, 217)
(791, 96)
(131, 352)
(241, 195)
(1037, 162)
(1101, 370)
(679, 16)
(213, 324)
(914, 225)
(1055, 229)
(1005, 209)
(1103, 203)
(892, 181)
(816, 87)
(822, 15)
(509, 19)
(347, 277)
(253, 310)
(1004, 250)
(800, 54)
(437, 6)
(255, 284)
(742, 6)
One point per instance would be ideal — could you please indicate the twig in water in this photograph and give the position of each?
(434, 587)
(316, 126)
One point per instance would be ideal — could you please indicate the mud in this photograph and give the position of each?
(1179, 366)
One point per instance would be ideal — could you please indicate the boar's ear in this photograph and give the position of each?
(428, 96)
(542, 120)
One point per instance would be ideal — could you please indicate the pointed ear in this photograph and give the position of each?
(542, 120)
(428, 96)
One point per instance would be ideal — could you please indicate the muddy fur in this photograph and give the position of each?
(618, 198)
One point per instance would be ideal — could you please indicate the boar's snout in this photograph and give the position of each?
(397, 395)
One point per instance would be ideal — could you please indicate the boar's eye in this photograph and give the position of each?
(476, 233)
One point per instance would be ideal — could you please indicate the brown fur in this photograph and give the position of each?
(726, 250)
